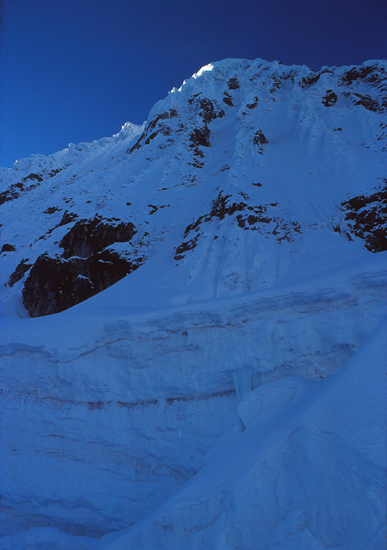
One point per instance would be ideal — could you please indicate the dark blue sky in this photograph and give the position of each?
(77, 70)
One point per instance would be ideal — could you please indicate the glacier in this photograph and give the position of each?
(229, 392)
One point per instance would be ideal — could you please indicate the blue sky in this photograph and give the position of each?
(77, 70)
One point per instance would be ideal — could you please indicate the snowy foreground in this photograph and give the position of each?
(302, 466)
(230, 391)
(301, 462)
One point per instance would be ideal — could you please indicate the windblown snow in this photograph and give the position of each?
(193, 322)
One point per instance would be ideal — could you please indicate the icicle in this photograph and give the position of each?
(245, 380)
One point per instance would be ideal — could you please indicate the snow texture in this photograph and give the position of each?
(229, 392)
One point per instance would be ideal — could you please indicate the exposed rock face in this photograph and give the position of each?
(153, 128)
(19, 272)
(209, 110)
(17, 189)
(85, 268)
(200, 136)
(374, 75)
(329, 99)
(367, 217)
(55, 284)
(249, 217)
(87, 237)
(7, 248)
(260, 140)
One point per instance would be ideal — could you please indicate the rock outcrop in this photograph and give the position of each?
(85, 268)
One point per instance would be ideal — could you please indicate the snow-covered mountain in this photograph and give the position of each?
(191, 281)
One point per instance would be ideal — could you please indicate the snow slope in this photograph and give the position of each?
(304, 468)
(237, 181)
(229, 392)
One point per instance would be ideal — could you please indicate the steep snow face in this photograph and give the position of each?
(193, 264)
(249, 175)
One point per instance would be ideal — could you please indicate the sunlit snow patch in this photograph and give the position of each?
(208, 67)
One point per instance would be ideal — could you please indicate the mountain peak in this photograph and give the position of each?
(262, 157)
